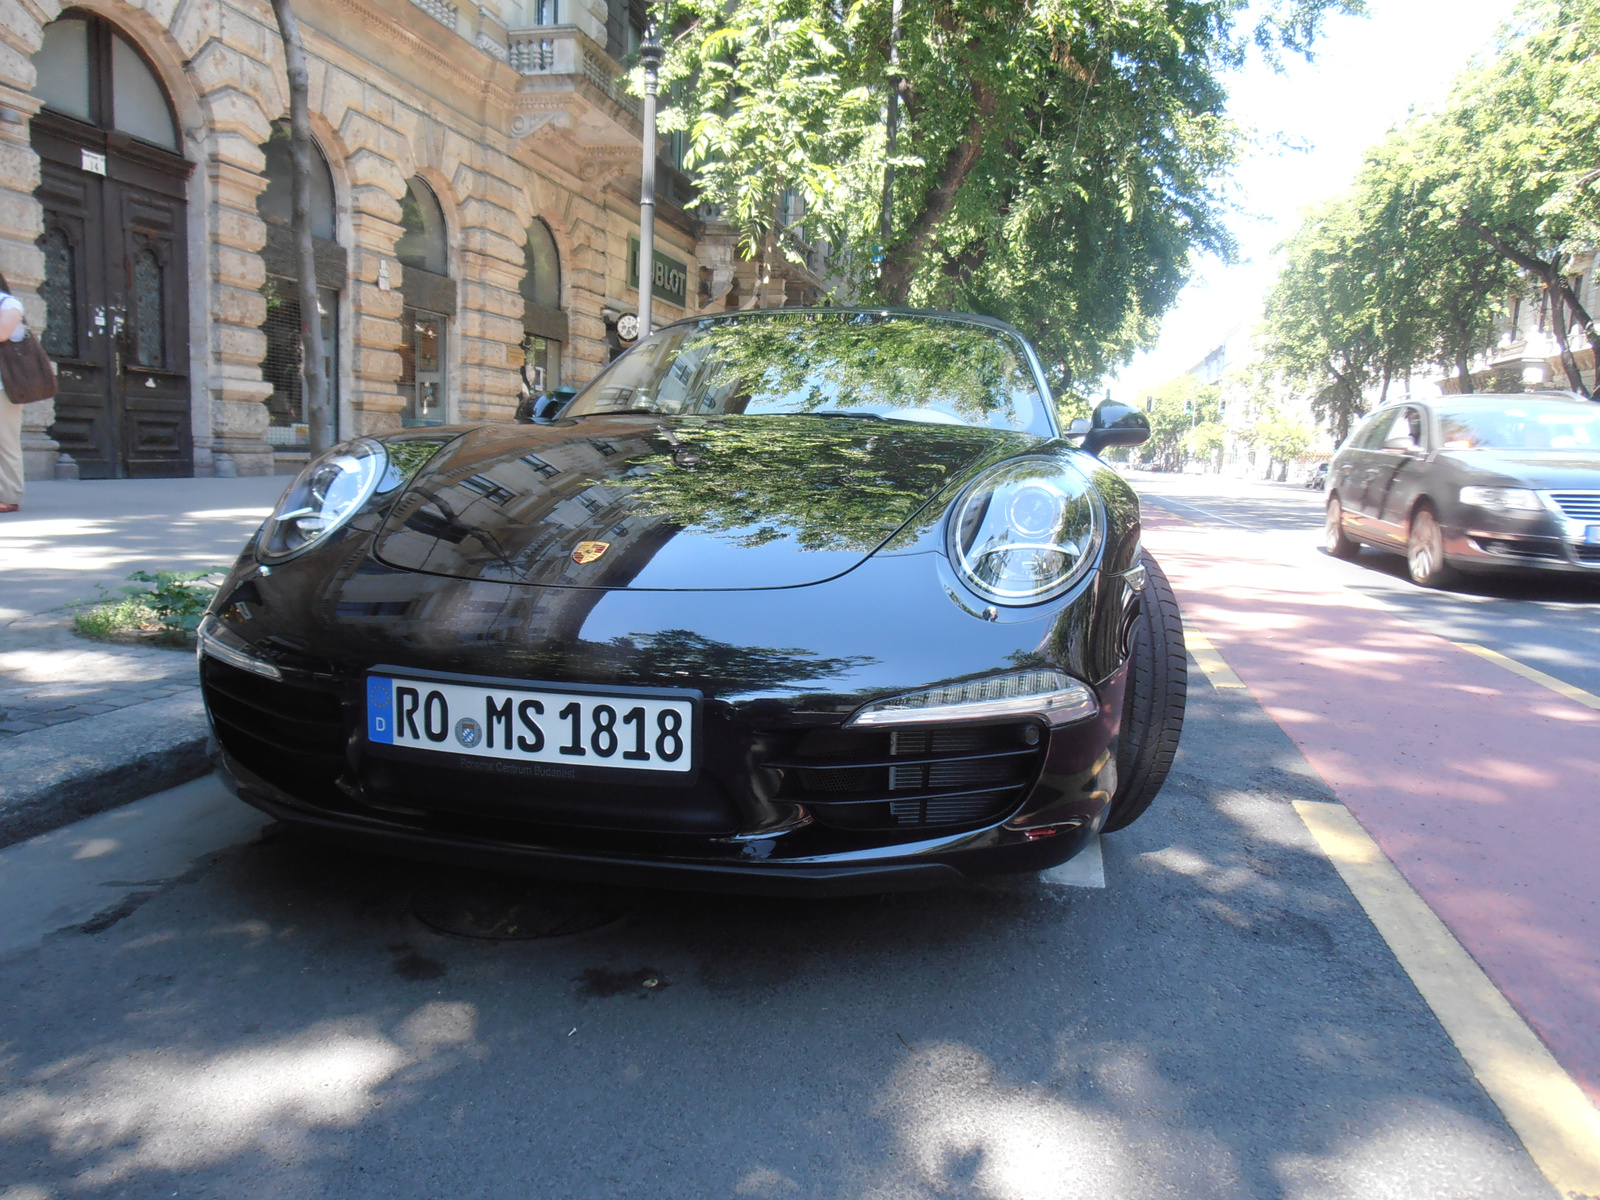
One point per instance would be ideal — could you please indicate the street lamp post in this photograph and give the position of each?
(650, 59)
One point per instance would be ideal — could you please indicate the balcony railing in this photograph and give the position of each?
(550, 52)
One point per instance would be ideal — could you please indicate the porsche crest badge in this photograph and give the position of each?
(587, 552)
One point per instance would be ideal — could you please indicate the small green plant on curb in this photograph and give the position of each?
(159, 606)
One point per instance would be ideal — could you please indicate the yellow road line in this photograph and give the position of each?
(1548, 1110)
(1213, 664)
(1558, 686)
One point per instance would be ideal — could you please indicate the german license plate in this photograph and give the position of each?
(627, 732)
(1591, 535)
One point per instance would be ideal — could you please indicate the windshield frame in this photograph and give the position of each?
(1051, 424)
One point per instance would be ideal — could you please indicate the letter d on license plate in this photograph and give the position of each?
(639, 731)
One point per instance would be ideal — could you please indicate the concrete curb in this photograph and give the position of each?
(52, 777)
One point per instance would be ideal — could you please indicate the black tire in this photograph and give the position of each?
(1157, 691)
(1334, 539)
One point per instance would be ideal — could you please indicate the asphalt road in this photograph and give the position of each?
(194, 1003)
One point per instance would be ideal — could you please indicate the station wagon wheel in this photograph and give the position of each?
(1157, 691)
(1425, 560)
(1334, 539)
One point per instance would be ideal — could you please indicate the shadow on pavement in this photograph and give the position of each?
(1220, 1021)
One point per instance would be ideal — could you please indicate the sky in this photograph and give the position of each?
(1368, 73)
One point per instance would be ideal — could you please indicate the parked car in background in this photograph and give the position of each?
(1317, 479)
(1472, 483)
(794, 601)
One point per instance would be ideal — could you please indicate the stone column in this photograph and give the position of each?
(375, 301)
(586, 269)
(489, 279)
(21, 216)
(238, 393)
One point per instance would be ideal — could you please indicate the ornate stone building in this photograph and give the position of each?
(476, 219)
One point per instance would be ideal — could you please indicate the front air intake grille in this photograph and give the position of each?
(291, 736)
(1580, 506)
(864, 779)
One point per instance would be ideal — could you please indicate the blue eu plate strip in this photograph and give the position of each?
(380, 709)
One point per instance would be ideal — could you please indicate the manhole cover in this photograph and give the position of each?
(498, 908)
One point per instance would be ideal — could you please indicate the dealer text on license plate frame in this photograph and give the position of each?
(572, 731)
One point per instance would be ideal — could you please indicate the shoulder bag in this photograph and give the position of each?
(25, 370)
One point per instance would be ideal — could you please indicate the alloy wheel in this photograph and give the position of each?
(1425, 549)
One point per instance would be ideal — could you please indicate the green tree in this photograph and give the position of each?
(1319, 335)
(1517, 152)
(1185, 420)
(1056, 164)
(1281, 435)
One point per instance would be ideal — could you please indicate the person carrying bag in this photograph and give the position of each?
(25, 376)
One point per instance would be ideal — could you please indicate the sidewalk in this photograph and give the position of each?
(88, 725)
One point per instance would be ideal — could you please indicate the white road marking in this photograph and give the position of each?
(65, 877)
(1086, 869)
(1159, 499)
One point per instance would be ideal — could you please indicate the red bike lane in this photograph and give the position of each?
(1481, 787)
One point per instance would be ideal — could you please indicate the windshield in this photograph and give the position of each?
(1522, 426)
(890, 367)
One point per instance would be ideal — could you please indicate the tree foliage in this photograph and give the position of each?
(1185, 420)
(1449, 215)
(1057, 162)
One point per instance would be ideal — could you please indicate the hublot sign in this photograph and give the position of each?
(671, 276)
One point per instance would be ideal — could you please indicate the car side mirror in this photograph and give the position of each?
(1400, 441)
(1115, 424)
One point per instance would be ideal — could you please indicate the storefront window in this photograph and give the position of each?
(541, 363)
(422, 356)
(287, 427)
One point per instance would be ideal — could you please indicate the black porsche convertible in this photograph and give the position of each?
(797, 601)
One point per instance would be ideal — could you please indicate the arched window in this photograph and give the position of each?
(544, 325)
(423, 244)
(430, 300)
(288, 431)
(541, 286)
(276, 204)
(89, 71)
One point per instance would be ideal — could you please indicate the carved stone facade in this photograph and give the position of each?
(504, 121)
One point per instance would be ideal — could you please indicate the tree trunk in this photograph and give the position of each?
(1558, 326)
(900, 263)
(1556, 287)
(314, 379)
(1464, 374)
(1590, 333)
(891, 129)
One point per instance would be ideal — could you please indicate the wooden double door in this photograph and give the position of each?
(117, 289)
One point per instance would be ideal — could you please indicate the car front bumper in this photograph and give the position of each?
(753, 866)
(1480, 549)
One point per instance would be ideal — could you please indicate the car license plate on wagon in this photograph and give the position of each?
(636, 732)
(1591, 535)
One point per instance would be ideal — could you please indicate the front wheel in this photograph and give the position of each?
(1425, 561)
(1334, 539)
(1152, 709)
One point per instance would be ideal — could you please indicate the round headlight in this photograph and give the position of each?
(1026, 531)
(323, 497)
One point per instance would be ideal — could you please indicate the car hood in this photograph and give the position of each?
(674, 503)
(1543, 469)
